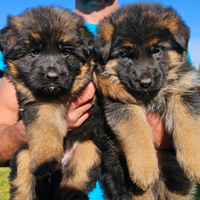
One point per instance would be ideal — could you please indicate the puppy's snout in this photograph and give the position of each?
(145, 82)
(52, 75)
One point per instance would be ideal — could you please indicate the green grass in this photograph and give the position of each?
(198, 192)
(4, 185)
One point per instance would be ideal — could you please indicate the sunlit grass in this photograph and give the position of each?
(4, 184)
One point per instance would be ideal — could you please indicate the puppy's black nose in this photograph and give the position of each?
(52, 75)
(145, 82)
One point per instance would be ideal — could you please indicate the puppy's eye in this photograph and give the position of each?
(35, 52)
(65, 52)
(125, 55)
(156, 51)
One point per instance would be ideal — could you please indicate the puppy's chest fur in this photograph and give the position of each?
(158, 104)
(161, 102)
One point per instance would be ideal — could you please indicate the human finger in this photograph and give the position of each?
(79, 122)
(86, 95)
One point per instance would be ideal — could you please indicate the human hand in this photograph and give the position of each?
(77, 112)
(162, 140)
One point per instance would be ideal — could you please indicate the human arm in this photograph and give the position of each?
(12, 131)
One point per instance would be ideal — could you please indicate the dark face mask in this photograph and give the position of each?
(96, 1)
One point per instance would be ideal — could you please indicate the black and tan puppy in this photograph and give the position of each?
(144, 69)
(47, 51)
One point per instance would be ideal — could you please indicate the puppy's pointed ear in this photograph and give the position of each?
(7, 37)
(104, 39)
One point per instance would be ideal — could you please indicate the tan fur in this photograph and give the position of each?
(111, 86)
(128, 44)
(10, 41)
(80, 79)
(143, 195)
(36, 36)
(121, 18)
(151, 43)
(12, 68)
(24, 181)
(172, 22)
(66, 38)
(186, 136)
(17, 22)
(106, 31)
(51, 129)
(139, 136)
(85, 156)
(112, 89)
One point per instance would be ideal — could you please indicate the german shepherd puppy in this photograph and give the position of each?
(144, 68)
(48, 53)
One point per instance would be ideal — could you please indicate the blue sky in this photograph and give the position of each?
(188, 10)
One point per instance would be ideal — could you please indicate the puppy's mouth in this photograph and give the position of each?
(52, 88)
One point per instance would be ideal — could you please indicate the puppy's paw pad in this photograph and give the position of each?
(44, 168)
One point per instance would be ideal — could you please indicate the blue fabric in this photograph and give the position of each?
(97, 192)
(2, 65)
(188, 54)
(92, 27)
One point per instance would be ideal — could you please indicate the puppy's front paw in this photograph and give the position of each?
(191, 167)
(40, 169)
(145, 172)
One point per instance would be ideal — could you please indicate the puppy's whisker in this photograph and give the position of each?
(146, 92)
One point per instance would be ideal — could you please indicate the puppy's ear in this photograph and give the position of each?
(178, 28)
(182, 36)
(104, 39)
(87, 39)
(7, 37)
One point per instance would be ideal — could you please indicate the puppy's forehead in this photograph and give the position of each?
(56, 22)
(63, 37)
(142, 21)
